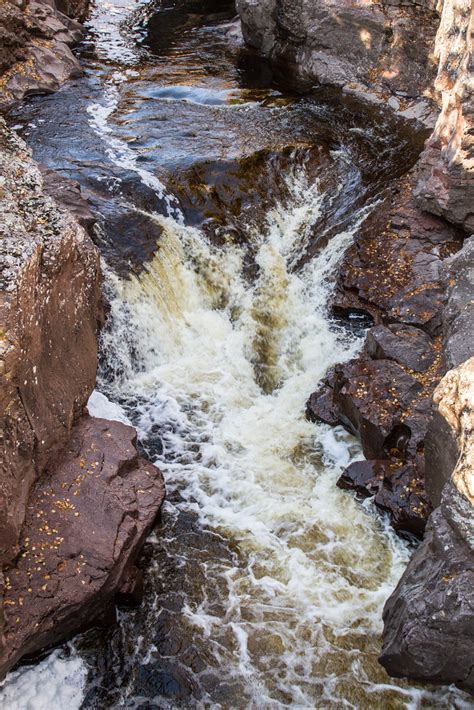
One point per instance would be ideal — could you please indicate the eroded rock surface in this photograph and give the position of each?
(446, 183)
(395, 272)
(86, 521)
(372, 49)
(36, 37)
(429, 619)
(50, 306)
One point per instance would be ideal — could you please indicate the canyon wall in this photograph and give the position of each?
(408, 271)
(76, 500)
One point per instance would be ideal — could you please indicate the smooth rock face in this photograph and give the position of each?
(36, 52)
(86, 521)
(446, 183)
(429, 620)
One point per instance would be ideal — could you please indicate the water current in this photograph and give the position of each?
(225, 204)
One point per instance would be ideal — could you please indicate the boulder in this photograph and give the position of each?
(408, 346)
(87, 519)
(36, 54)
(398, 490)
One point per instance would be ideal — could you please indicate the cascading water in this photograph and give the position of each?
(264, 582)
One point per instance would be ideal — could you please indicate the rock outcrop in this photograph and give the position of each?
(36, 37)
(429, 619)
(86, 521)
(394, 274)
(446, 183)
(372, 49)
(63, 474)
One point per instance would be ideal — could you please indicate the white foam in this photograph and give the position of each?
(57, 683)
(186, 338)
(100, 406)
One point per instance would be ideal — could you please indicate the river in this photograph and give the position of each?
(225, 203)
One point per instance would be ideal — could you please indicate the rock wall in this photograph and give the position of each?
(446, 182)
(36, 37)
(76, 501)
(382, 51)
(429, 619)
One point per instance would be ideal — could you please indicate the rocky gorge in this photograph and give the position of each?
(78, 499)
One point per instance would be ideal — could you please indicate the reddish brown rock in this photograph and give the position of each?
(76, 501)
(410, 347)
(86, 521)
(36, 54)
(50, 308)
(373, 398)
(67, 194)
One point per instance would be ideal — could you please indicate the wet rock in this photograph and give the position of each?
(395, 263)
(406, 345)
(429, 620)
(86, 521)
(132, 589)
(67, 194)
(373, 399)
(38, 38)
(398, 490)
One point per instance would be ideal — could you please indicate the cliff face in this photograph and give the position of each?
(429, 620)
(446, 183)
(50, 308)
(402, 272)
(76, 501)
(36, 37)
